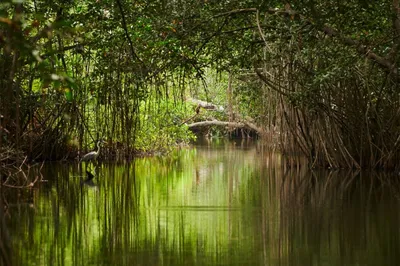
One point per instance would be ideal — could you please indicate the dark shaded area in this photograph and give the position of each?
(5, 241)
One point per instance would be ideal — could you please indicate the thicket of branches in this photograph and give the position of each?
(320, 75)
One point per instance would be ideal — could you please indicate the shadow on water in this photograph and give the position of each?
(229, 204)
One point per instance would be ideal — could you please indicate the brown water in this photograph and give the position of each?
(220, 204)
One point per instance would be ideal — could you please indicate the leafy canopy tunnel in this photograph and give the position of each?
(316, 77)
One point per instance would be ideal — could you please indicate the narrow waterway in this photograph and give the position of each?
(223, 203)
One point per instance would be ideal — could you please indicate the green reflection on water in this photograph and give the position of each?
(224, 204)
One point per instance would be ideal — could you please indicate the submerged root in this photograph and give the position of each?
(14, 169)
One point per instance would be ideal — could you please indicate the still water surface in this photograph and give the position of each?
(220, 204)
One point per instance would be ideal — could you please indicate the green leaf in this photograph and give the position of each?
(68, 94)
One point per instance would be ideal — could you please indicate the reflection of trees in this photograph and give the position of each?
(329, 213)
(208, 206)
(5, 247)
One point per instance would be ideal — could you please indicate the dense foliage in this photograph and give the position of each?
(321, 77)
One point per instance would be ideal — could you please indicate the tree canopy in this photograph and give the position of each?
(319, 77)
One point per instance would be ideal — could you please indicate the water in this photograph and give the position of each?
(220, 204)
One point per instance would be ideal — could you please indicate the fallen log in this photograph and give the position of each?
(210, 106)
(248, 125)
(216, 123)
(257, 129)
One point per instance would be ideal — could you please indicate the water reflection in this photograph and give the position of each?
(220, 204)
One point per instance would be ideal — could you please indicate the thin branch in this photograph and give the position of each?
(260, 31)
(247, 28)
(269, 83)
(219, 30)
(134, 54)
(65, 48)
(236, 11)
